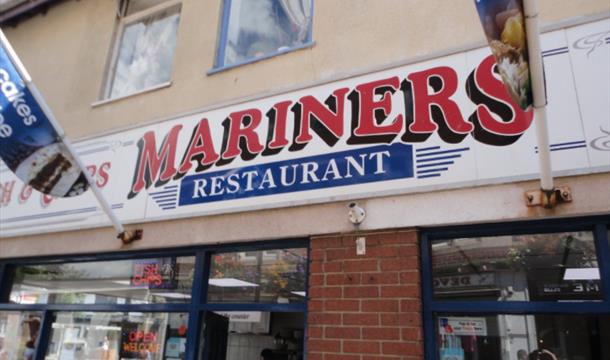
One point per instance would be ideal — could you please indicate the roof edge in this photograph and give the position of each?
(25, 8)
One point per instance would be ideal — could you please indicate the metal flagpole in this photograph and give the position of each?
(125, 236)
(548, 196)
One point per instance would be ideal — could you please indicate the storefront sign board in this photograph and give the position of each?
(439, 124)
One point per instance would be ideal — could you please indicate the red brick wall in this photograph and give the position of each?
(365, 307)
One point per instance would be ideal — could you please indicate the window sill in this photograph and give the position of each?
(265, 57)
(139, 92)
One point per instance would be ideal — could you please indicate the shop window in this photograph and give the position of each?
(256, 29)
(535, 267)
(142, 307)
(517, 291)
(144, 48)
(229, 335)
(138, 281)
(272, 276)
(523, 337)
(115, 335)
(18, 334)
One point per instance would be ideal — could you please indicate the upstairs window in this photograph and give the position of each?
(254, 29)
(144, 49)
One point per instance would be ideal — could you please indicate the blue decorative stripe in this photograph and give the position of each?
(163, 192)
(444, 152)
(161, 197)
(428, 148)
(567, 148)
(128, 143)
(53, 214)
(439, 158)
(167, 198)
(432, 170)
(429, 176)
(435, 164)
(170, 202)
(570, 147)
(93, 151)
(558, 145)
(553, 52)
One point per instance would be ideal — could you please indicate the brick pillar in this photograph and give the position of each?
(365, 307)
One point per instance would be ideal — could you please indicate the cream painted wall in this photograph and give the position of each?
(66, 50)
(493, 204)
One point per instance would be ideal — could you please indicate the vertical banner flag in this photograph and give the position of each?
(29, 143)
(504, 25)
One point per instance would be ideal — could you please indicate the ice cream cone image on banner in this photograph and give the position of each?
(504, 26)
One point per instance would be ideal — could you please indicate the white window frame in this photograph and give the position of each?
(125, 21)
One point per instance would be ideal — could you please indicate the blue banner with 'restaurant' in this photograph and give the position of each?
(360, 166)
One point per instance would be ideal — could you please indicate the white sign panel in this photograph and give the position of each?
(443, 123)
(462, 326)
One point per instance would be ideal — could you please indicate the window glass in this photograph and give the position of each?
(523, 337)
(540, 267)
(140, 281)
(268, 276)
(145, 52)
(263, 27)
(104, 336)
(18, 334)
(252, 335)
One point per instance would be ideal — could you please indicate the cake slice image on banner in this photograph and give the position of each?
(29, 143)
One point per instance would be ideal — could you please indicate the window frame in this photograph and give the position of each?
(219, 62)
(122, 23)
(195, 309)
(598, 225)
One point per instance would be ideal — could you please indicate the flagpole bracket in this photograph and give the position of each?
(129, 236)
(548, 199)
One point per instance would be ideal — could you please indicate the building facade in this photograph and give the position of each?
(314, 180)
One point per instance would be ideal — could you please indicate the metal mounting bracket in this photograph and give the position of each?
(129, 236)
(548, 199)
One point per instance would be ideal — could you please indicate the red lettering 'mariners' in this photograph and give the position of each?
(240, 135)
(6, 192)
(490, 95)
(152, 166)
(371, 112)
(444, 81)
(200, 149)
(324, 120)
